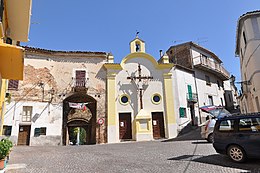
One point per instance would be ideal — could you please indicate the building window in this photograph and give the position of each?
(27, 114)
(244, 37)
(257, 104)
(13, 84)
(210, 100)
(182, 112)
(40, 131)
(156, 98)
(207, 80)
(80, 78)
(1, 10)
(218, 84)
(124, 99)
(7, 130)
(242, 56)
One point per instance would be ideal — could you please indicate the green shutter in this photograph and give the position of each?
(182, 112)
(190, 91)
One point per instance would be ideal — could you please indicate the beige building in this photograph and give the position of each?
(62, 92)
(247, 48)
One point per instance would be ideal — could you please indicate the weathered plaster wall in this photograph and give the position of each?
(48, 80)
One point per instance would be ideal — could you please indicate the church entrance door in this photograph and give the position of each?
(125, 126)
(158, 125)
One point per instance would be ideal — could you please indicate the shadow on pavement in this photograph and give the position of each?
(188, 133)
(221, 160)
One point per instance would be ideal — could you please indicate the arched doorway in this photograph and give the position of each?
(79, 118)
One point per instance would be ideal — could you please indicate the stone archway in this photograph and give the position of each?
(83, 118)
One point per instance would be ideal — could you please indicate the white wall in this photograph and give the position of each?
(183, 78)
(49, 116)
(126, 86)
(205, 90)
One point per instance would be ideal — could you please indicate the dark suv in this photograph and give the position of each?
(238, 136)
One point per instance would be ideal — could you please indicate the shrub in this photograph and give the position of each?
(5, 147)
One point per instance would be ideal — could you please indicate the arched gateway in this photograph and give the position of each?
(79, 112)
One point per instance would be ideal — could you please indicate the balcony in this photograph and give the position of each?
(206, 64)
(192, 97)
(80, 85)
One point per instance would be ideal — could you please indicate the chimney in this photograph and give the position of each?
(161, 54)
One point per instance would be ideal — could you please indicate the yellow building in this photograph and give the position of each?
(14, 28)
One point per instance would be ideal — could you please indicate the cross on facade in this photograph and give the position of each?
(140, 78)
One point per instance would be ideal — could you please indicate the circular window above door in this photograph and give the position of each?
(124, 99)
(156, 99)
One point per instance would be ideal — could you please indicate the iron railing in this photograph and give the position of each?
(192, 97)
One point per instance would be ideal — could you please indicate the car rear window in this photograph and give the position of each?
(249, 124)
(226, 125)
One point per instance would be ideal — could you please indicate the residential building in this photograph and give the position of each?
(198, 81)
(248, 51)
(231, 95)
(14, 28)
(62, 92)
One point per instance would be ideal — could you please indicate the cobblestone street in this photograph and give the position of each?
(139, 157)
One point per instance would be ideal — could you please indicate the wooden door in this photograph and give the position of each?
(24, 135)
(158, 125)
(125, 126)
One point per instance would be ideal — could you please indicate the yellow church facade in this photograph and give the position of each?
(140, 97)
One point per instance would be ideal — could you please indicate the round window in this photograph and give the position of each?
(156, 98)
(124, 99)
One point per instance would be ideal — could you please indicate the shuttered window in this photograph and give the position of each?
(13, 84)
(182, 112)
(80, 78)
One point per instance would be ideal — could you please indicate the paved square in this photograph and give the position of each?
(140, 157)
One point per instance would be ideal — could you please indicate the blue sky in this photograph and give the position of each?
(109, 26)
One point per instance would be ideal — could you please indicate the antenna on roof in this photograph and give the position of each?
(202, 40)
(176, 41)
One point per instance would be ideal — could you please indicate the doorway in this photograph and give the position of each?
(125, 126)
(78, 135)
(192, 114)
(24, 135)
(158, 125)
(82, 118)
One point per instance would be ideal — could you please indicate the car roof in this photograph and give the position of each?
(239, 116)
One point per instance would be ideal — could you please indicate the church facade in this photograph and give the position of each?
(140, 97)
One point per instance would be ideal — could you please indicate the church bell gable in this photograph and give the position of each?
(137, 45)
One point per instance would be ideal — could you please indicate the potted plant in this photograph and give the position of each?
(5, 147)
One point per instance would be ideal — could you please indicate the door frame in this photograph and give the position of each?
(161, 124)
(28, 135)
(129, 125)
